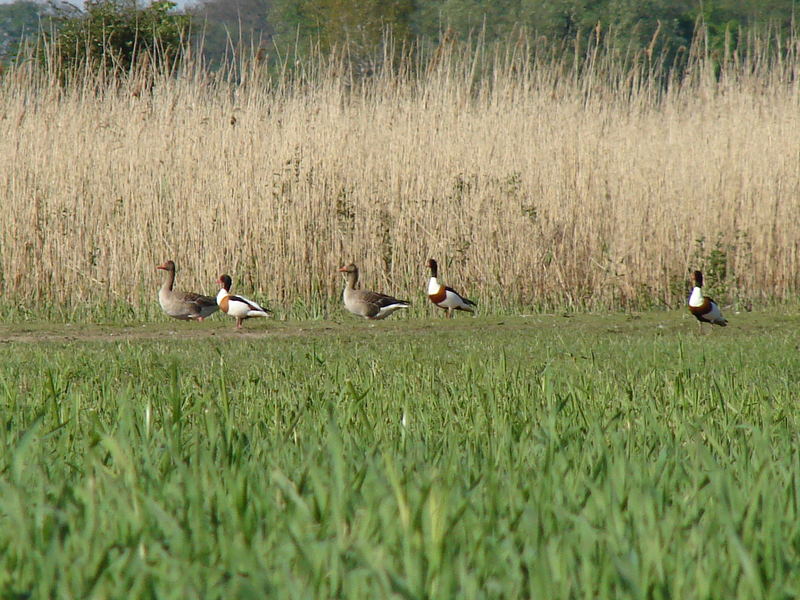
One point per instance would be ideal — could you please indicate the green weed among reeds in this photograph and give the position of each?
(590, 457)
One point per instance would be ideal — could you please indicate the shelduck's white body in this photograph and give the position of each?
(446, 297)
(238, 307)
(702, 307)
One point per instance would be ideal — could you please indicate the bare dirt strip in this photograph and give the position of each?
(111, 333)
(656, 323)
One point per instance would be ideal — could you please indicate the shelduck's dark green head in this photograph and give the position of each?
(433, 266)
(225, 282)
(697, 277)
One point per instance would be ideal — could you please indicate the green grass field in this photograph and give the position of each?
(595, 456)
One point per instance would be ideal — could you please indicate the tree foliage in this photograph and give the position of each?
(223, 27)
(657, 27)
(18, 21)
(114, 34)
(328, 24)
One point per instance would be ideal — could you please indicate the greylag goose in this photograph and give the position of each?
(371, 305)
(446, 297)
(237, 306)
(702, 307)
(182, 305)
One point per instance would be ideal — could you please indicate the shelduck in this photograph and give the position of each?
(186, 306)
(702, 307)
(446, 297)
(237, 306)
(371, 305)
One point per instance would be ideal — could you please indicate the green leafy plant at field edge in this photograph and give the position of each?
(722, 264)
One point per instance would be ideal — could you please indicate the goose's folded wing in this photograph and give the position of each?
(380, 300)
(199, 299)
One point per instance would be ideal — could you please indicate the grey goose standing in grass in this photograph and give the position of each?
(186, 306)
(703, 307)
(446, 297)
(238, 307)
(370, 305)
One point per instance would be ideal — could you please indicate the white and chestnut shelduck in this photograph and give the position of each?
(186, 306)
(702, 307)
(237, 306)
(446, 297)
(370, 305)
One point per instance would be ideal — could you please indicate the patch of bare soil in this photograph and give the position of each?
(110, 333)
(186, 331)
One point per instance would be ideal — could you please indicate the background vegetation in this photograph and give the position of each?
(226, 27)
(563, 155)
(538, 179)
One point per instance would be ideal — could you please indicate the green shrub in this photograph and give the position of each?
(116, 34)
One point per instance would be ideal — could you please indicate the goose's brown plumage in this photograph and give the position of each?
(365, 303)
(186, 306)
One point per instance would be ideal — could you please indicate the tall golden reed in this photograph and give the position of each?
(534, 182)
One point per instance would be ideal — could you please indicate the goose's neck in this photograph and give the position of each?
(352, 280)
(169, 281)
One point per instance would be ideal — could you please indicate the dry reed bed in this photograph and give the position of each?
(530, 187)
